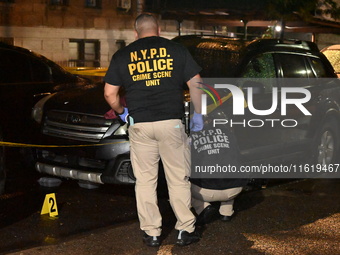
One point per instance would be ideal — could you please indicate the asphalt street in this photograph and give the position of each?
(300, 217)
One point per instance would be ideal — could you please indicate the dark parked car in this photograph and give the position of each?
(25, 77)
(99, 147)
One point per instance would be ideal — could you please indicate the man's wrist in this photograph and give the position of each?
(120, 113)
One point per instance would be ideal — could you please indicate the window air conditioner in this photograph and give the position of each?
(124, 4)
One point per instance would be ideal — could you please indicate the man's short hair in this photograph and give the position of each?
(146, 22)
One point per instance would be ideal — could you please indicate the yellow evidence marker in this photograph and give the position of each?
(50, 205)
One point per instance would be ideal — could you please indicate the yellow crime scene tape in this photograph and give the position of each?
(10, 144)
(88, 71)
(210, 108)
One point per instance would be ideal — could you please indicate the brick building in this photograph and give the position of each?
(72, 32)
(88, 32)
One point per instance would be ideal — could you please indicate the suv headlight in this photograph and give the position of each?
(116, 129)
(38, 109)
(121, 131)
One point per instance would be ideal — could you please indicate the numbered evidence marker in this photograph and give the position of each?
(50, 205)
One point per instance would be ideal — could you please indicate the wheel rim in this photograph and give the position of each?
(326, 148)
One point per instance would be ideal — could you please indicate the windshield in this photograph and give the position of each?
(218, 57)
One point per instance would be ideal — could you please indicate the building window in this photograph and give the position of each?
(84, 53)
(124, 4)
(93, 3)
(120, 44)
(58, 2)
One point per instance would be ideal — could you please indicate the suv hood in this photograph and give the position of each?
(87, 99)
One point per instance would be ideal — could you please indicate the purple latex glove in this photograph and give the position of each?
(124, 115)
(196, 123)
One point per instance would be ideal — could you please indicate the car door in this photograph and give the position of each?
(259, 137)
(297, 74)
(21, 77)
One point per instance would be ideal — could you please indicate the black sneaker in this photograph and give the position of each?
(152, 241)
(208, 215)
(225, 218)
(186, 238)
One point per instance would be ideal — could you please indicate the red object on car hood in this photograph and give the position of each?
(110, 115)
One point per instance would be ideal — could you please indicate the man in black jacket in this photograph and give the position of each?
(153, 70)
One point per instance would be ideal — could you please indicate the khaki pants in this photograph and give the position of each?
(167, 140)
(201, 198)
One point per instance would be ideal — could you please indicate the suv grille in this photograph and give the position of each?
(76, 126)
